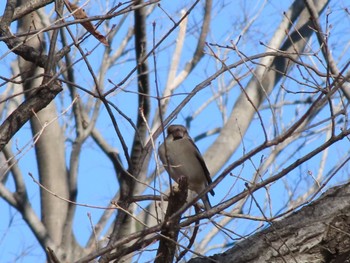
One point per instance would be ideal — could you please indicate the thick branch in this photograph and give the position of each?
(316, 233)
(170, 232)
(143, 88)
(128, 183)
(28, 7)
(37, 101)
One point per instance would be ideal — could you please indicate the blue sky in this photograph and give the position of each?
(97, 180)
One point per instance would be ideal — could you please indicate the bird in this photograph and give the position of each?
(185, 160)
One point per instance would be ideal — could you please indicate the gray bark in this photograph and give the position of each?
(50, 144)
(318, 232)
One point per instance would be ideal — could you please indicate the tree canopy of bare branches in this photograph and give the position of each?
(88, 89)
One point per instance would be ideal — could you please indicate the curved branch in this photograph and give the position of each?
(174, 82)
(37, 101)
(264, 79)
(324, 45)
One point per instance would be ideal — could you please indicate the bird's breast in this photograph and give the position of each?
(183, 162)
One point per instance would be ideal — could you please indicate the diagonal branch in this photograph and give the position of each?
(36, 102)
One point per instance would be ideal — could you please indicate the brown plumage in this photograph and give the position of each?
(185, 160)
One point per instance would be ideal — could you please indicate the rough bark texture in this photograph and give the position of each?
(318, 232)
(171, 229)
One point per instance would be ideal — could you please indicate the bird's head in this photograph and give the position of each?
(177, 131)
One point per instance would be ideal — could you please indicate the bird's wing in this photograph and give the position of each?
(204, 166)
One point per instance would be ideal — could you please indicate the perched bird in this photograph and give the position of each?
(185, 160)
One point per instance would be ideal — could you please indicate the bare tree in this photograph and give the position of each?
(264, 90)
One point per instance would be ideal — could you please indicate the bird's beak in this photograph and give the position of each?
(178, 134)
